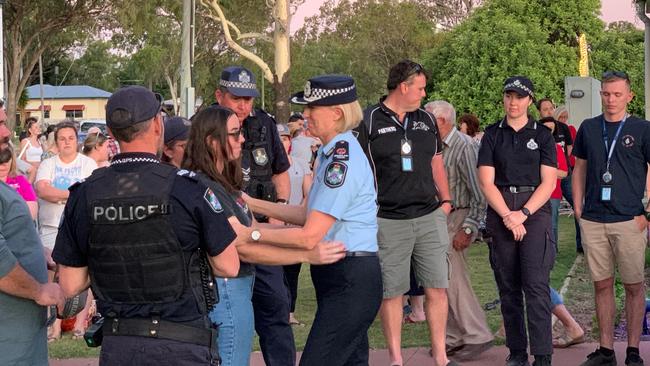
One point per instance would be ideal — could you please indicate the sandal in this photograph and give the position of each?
(566, 341)
(409, 320)
(78, 334)
(52, 338)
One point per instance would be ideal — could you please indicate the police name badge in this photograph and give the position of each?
(260, 156)
(212, 200)
(532, 145)
(335, 174)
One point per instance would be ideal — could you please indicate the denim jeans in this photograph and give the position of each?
(555, 215)
(234, 316)
(556, 299)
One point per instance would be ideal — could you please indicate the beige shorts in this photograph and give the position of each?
(611, 245)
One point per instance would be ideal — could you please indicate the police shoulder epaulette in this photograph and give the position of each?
(188, 174)
(341, 151)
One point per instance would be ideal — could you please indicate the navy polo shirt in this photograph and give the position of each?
(628, 167)
(401, 195)
(517, 155)
(195, 224)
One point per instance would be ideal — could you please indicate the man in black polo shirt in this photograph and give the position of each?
(517, 173)
(612, 152)
(404, 148)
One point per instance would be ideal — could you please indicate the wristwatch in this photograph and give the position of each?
(282, 200)
(647, 215)
(467, 230)
(450, 202)
(525, 211)
(256, 235)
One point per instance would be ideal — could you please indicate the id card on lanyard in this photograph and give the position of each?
(607, 177)
(406, 147)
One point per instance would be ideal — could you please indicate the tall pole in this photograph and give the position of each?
(187, 92)
(641, 7)
(2, 55)
(40, 78)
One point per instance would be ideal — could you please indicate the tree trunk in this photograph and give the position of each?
(281, 44)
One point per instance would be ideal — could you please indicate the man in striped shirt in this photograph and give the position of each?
(467, 332)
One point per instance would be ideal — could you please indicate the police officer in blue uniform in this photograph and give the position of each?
(265, 165)
(145, 239)
(517, 174)
(341, 206)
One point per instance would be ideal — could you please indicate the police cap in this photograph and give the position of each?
(131, 105)
(327, 90)
(176, 129)
(520, 85)
(239, 81)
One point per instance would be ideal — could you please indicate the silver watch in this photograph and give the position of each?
(467, 230)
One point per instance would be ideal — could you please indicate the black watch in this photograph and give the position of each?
(450, 202)
(647, 215)
(525, 211)
(281, 200)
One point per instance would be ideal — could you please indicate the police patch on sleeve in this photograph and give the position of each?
(212, 201)
(335, 174)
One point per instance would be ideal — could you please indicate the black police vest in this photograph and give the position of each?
(256, 157)
(134, 255)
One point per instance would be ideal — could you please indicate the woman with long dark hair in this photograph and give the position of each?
(214, 150)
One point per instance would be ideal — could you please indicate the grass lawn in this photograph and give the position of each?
(413, 334)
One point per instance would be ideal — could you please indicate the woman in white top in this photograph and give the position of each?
(30, 147)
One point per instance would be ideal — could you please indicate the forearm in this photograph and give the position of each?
(282, 185)
(271, 255)
(440, 178)
(541, 195)
(19, 283)
(33, 209)
(287, 213)
(290, 238)
(226, 264)
(495, 199)
(51, 194)
(578, 179)
(73, 280)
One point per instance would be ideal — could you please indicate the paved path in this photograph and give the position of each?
(420, 356)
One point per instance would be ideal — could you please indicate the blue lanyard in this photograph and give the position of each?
(404, 126)
(610, 150)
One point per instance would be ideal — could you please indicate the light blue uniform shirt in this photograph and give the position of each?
(345, 189)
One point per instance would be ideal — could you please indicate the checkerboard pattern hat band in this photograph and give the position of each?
(237, 84)
(521, 85)
(239, 81)
(327, 90)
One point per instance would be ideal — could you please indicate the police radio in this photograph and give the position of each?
(94, 334)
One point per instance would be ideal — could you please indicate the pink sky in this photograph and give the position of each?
(612, 10)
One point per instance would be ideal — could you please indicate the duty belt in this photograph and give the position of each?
(156, 328)
(521, 189)
(361, 254)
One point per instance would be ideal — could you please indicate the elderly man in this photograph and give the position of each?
(468, 334)
(404, 148)
(266, 176)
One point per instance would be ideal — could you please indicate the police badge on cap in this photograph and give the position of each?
(239, 81)
(327, 90)
(520, 85)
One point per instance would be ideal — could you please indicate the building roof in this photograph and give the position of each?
(65, 92)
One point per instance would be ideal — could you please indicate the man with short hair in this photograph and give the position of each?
(265, 165)
(146, 237)
(612, 154)
(468, 334)
(404, 148)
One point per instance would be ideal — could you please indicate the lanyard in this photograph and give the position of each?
(610, 150)
(404, 126)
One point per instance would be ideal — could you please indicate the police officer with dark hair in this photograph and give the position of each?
(146, 239)
(265, 165)
(517, 173)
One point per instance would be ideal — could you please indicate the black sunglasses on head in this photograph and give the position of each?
(618, 74)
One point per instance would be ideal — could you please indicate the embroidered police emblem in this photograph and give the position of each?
(628, 141)
(260, 157)
(335, 174)
(244, 77)
(212, 200)
(532, 145)
(307, 89)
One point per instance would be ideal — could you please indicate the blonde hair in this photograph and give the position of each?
(558, 112)
(352, 116)
(92, 141)
(6, 154)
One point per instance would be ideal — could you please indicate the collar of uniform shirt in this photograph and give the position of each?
(126, 158)
(531, 124)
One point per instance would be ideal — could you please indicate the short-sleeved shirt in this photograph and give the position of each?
(297, 172)
(517, 155)
(343, 188)
(61, 176)
(301, 148)
(561, 165)
(22, 330)
(196, 224)
(401, 195)
(628, 167)
(22, 186)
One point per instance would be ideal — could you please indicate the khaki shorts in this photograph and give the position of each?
(422, 242)
(611, 245)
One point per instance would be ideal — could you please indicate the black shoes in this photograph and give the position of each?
(517, 359)
(597, 358)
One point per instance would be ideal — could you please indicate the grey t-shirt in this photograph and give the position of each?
(301, 148)
(23, 334)
(297, 172)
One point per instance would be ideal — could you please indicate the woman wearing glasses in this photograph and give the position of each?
(95, 146)
(214, 149)
(517, 173)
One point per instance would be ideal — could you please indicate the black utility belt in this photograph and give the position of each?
(156, 328)
(519, 189)
(361, 254)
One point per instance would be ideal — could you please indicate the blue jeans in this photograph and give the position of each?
(566, 192)
(556, 299)
(555, 214)
(234, 316)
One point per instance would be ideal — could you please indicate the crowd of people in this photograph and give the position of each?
(190, 233)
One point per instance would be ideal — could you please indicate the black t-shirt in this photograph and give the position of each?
(233, 205)
(562, 135)
(517, 155)
(401, 195)
(277, 154)
(628, 167)
(196, 225)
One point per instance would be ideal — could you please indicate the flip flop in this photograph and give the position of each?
(409, 320)
(566, 341)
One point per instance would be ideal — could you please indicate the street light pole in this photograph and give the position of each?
(3, 87)
(641, 9)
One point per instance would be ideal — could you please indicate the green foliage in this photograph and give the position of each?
(505, 38)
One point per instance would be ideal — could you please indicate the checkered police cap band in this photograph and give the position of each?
(237, 84)
(312, 95)
(517, 84)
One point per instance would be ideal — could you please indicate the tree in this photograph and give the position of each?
(33, 27)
